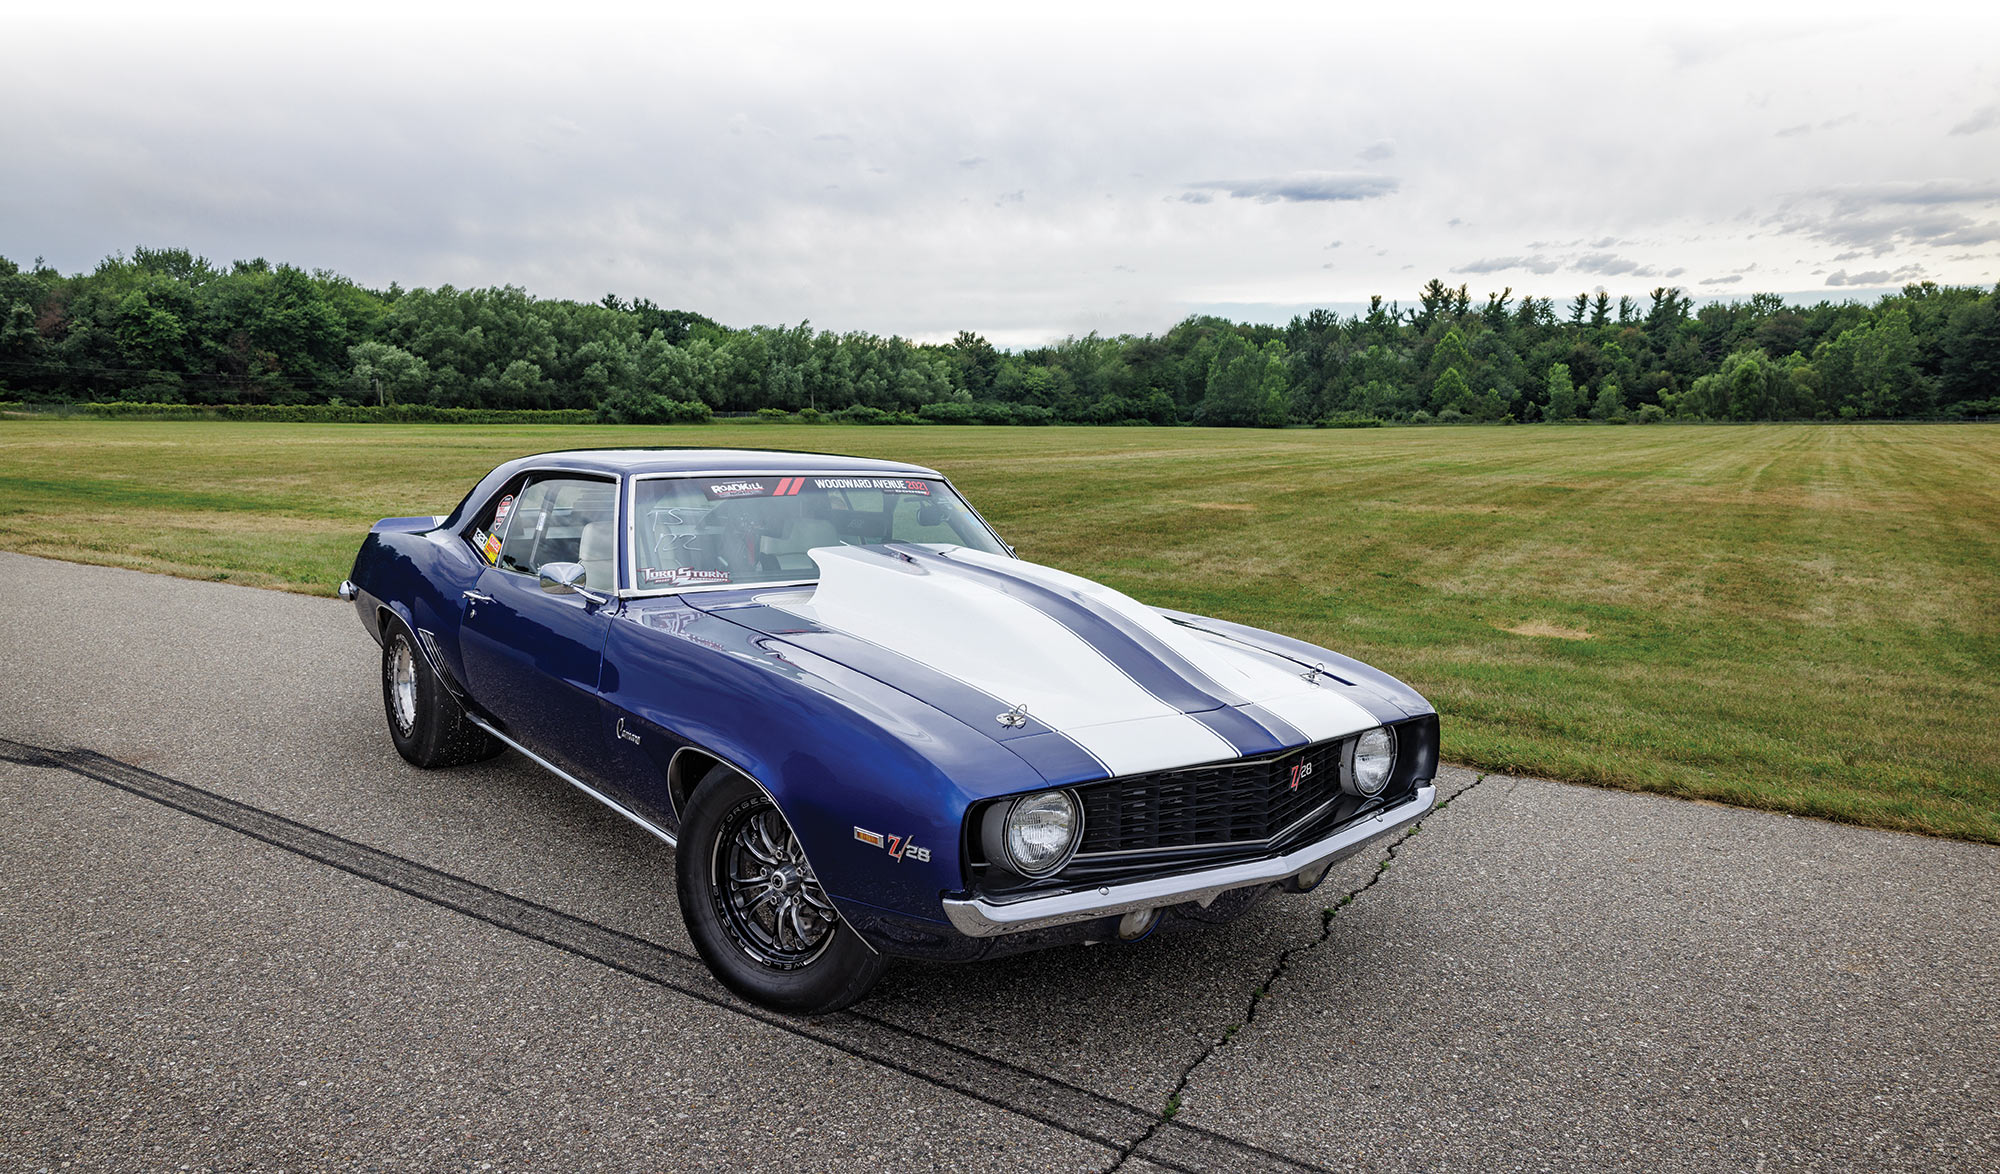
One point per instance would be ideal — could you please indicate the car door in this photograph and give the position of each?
(533, 659)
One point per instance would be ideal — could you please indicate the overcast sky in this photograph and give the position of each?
(1027, 174)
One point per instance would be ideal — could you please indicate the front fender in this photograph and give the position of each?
(875, 784)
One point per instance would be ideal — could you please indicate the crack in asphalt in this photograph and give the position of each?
(1263, 991)
(1082, 1113)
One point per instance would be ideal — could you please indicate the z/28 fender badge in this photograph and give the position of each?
(898, 847)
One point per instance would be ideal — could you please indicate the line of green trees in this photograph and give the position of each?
(164, 326)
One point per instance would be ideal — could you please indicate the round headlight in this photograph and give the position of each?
(1374, 758)
(1040, 830)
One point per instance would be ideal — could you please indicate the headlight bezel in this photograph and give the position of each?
(997, 826)
(1351, 774)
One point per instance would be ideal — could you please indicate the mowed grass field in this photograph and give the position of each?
(1800, 618)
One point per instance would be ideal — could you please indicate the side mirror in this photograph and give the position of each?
(566, 579)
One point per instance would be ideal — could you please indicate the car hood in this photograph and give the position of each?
(1078, 679)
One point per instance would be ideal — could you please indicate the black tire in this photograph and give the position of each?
(806, 961)
(425, 723)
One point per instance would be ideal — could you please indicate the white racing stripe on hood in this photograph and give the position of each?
(1273, 682)
(998, 644)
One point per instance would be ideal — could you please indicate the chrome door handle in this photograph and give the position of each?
(477, 596)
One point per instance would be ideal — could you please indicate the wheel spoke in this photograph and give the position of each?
(757, 845)
(772, 845)
(768, 893)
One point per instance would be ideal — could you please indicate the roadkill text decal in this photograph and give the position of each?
(898, 847)
(722, 490)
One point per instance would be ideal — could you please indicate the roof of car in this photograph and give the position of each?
(715, 460)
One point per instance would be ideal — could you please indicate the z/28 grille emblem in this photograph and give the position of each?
(898, 847)
(1300, 772)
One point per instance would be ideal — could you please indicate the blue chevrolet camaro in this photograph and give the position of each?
(871, 730)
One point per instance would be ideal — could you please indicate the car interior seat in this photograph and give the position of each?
(809, 528)
(597, 539)
(597, 550)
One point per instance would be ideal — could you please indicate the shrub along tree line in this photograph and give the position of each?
(166, 327)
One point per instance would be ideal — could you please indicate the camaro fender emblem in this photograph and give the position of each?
(898, 847)
(1300, 772)
(626, 734)
(1014, 718)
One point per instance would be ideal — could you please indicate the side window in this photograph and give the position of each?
(562, 519)
(522, 530)
(490, 523)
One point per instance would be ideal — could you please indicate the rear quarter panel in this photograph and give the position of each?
(420, 577)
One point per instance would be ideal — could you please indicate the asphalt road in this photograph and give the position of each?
(237, 932)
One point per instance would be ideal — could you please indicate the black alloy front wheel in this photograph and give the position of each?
(756, 911)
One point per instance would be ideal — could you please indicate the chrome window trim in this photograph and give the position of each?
(464, 533)
(533, 474)
(629, 579)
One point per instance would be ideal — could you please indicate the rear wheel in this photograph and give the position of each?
(427, 726)
(756, 912)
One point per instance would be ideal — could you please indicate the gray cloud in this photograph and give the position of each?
(1877, 235)
(1855, 196)
(1732, 279)
(1534, 264)
(1983, 119)
(1304, 187)
(1611, 265)
(1792, 132)
(971, 162)
(1875, 276)
(1676, 271)
(1377, 151)
(1874, 220)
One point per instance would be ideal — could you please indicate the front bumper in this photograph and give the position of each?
(978, 917)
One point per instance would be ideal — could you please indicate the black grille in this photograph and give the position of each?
(1227, 803)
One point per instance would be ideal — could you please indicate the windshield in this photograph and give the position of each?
(708, 531)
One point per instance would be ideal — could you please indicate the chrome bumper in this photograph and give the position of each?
(347, 590)
(980, 918)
